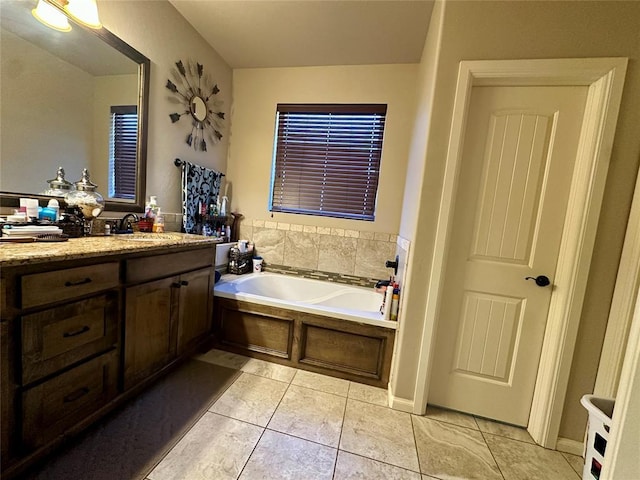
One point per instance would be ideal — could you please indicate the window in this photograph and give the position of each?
(123, 152)
(327, 160)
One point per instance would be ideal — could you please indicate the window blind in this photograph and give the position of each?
(327, 159)
(123, 152)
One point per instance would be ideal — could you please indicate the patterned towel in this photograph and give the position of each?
(200, 186)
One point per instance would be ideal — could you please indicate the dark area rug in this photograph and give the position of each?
(131, 441)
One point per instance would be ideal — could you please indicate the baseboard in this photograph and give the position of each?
(397, 403)
(567, 445)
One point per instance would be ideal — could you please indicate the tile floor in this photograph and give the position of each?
(276, 422)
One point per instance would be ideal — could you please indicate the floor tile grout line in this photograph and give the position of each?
(264, 429)
(381, 461)
(484, 439)
(415, 443)
(344, 416)
(567, 460)
(187, 430)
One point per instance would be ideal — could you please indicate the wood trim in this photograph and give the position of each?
(622, 449)
(605, 77)
(622, 306)
(369, 347)
(576, 248)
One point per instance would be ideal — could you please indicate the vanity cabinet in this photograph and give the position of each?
(166, 316)
(59, 350)
(79, 337)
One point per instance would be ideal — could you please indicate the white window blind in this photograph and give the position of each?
(327, 159)
(123, 151)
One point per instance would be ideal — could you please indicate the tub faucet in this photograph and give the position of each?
(124, 225)
(393, 264)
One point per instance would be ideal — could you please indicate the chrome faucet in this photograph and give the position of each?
(124, 225)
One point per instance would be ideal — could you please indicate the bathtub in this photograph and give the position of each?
(329, 299)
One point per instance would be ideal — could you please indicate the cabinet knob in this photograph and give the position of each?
(176, 285)
(184, 283)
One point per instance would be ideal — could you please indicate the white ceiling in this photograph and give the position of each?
(295, 33)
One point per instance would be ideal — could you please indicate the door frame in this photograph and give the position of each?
(604, 78)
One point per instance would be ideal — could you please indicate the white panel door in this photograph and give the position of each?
(518, 158)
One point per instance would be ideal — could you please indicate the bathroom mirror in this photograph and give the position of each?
(59, 92)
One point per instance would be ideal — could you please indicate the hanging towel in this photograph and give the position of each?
(200, 186)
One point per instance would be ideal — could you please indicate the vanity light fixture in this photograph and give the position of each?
(84, 11)
(54, 13)
(50, 16)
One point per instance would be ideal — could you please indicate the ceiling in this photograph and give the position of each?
(296, 33)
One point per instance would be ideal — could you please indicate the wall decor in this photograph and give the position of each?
(196, 93)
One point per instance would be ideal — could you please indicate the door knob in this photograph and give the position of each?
(541, 280)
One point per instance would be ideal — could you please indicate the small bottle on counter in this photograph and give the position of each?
(388, 298)
(158, 223)
(395, 302)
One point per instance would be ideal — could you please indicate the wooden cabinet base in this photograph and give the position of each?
(339, 348)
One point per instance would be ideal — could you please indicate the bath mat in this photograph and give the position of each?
(128, 443)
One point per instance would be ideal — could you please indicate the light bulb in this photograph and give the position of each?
(51, 16)
(84, 11)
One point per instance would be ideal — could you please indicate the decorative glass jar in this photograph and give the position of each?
(58, 187)
(86, 199)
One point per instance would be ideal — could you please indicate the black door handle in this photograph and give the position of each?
(541, 280)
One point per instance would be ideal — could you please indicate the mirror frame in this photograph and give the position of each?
(12, 199)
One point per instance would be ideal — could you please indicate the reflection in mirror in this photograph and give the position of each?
(198, 108)
(74, 100)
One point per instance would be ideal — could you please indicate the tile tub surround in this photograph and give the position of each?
(335, 250)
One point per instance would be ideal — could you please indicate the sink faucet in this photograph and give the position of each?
(124, 225)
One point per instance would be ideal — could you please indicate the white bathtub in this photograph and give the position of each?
(335, 300)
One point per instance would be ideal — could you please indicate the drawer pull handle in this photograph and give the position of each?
(79, 393)
(184, 283)
(79, 282)
(75, 333)
(175, 285)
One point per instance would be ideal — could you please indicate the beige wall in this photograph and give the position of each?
(43, 116)
(417, 197)
(158, 31)
(256, 92)
(110, 91)
(514, 30)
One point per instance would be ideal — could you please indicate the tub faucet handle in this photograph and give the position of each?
(393, 264)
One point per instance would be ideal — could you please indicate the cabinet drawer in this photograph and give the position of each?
(58, 337)
(159, 266)
(44, 288)
(57, 404)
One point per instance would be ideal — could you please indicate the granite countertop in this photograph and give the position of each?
(12, 254)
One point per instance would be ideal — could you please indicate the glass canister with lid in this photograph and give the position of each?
(86, 199)
(58, 187)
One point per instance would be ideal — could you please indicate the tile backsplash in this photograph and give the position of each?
(346, 252)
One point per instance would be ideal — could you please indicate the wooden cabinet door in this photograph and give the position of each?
(195, 307)
(151, 326)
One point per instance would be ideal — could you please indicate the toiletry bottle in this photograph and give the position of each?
(223, 207)
(151, 209)
(395, 302)
(55, 206)
(388, 298)
(158, 223)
